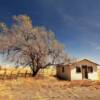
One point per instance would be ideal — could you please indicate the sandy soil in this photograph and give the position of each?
(48, 88)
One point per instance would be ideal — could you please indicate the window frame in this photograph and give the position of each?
(78, 69)
(90, 69)
(63, 69)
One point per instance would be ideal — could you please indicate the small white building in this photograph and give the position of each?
(84, 69)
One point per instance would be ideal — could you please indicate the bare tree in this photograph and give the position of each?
(26, 45)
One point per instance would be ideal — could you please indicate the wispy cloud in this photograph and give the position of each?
(65, 17)
(90, 28)
(94, 45)
(83, 23)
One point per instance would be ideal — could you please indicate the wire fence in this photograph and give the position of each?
(15, 73)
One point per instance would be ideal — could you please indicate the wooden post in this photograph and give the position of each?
(26, 74)
(4, 75)
(17, 74)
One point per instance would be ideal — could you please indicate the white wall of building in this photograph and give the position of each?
(71, 74)
(94, 75)
(78, 76)
(74, 75)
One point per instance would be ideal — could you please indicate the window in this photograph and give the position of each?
(63, 69)
(78, 69)
(90, 69)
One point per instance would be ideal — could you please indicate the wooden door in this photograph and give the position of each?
(84, 72)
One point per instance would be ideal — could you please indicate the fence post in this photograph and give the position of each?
(25, 73)
(4, 75)
(17, 74)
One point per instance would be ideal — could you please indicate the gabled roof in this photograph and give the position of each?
(85, 60)
(67, 65)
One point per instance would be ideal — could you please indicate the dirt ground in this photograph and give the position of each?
(48, 88)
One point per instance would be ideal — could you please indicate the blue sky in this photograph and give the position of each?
(76, 23)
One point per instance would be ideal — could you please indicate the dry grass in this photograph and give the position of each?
(45, 87)
(48, 88)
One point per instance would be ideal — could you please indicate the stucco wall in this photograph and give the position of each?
(64, 75)
(78, 76)
(94, 75)
(71, 74)
(74, 75)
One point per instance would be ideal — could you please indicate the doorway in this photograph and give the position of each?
(84, 72)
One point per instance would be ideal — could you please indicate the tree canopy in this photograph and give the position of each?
(36, 47)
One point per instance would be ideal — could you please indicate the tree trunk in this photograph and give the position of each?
(34, 72)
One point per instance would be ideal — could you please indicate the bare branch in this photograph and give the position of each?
(35, 47)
